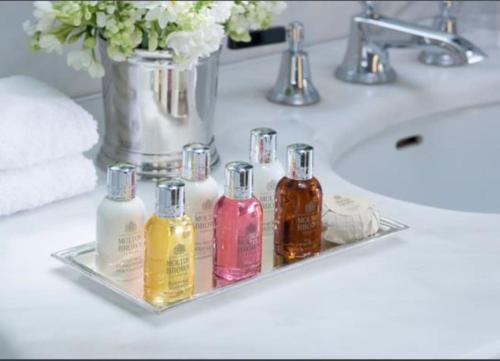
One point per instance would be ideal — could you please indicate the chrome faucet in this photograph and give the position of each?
(445, 21)
(366, 60)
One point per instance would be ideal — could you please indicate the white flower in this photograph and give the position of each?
(101, 19)
(184, 46)
(165, 11)
(247, 16)
(209, 38)
(181, 41)
(161, 14)
(50, 43)
(112, 26)
(239, 24)
(29, 28)
(44, 13)
(189, 46)
(115, 53)
(96, 70)
(220, 11)
(84, 60)
(80, 59)
(43, 6)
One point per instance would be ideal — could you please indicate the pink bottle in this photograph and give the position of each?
(238, 226)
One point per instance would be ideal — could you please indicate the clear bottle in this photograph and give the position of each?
(298, 208)
(120, 228)
(238, 226)
(201, 194)
(268, 171)
(169, 264)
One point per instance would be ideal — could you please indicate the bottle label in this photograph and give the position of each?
(179, 269)
(306, 224)
(130, 249)
(123, 258)
(248, 248)
(204, 227)
(266, 199)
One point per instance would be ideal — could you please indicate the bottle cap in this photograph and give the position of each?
(195, 162)
(300, 161)
(263, 144)
(121, 181)
(170, 199)
(238, 180)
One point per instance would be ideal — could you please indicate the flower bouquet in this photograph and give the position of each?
(190, 29)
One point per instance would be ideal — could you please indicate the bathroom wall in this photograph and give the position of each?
(323, 20)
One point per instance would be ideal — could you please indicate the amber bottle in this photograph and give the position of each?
(297, 231)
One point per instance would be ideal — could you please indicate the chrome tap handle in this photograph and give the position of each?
(295, 35)
(447, 18)
(369, 7)
(294, 85)
(447, 7)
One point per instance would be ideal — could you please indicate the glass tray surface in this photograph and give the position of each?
(81, 258)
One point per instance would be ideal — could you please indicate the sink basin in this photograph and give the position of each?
(448, 160)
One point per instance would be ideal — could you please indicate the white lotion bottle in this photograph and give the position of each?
(120, 230)
(201, 193)
(268, 170)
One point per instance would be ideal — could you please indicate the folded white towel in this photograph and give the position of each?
(38, 123)
(44, 183)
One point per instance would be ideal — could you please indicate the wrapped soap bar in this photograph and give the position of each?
(347, 219)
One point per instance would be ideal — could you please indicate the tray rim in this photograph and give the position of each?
(63, 256)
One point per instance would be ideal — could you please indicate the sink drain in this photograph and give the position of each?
(410, 141)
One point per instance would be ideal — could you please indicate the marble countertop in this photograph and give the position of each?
(432, 291)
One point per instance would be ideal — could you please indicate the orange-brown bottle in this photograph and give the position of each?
(297, 230)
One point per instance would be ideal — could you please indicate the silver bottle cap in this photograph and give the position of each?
(300, 161)
(195, 162)
(121, 182)
(238, 180)
(263, 144)
(170, 199)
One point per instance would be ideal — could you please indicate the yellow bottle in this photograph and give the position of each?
(170, 248)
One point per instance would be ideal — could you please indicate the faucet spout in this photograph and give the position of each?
(465, 51)
(367, 59)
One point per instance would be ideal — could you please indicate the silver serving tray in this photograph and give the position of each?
(81, 258)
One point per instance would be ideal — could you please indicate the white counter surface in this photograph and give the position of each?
(433, 291)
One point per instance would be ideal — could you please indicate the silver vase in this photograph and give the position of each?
(152, 108)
